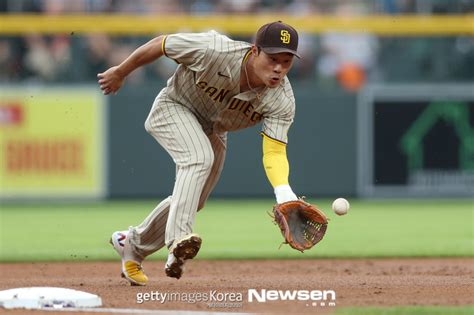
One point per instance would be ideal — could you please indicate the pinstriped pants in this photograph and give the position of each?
(199, 160)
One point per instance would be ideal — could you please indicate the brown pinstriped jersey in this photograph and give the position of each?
(207, 81)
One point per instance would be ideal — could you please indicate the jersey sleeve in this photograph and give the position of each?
(188, 49)
(277, 122)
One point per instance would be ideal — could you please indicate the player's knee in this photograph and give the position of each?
(206, 160)
(148, 126)
(202, 161)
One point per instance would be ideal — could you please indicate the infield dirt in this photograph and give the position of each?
(357, 282)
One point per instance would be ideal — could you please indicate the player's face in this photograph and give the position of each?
(272, 68)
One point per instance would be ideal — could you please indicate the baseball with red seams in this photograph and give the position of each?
(340, 206)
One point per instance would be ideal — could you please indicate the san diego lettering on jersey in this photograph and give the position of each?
(211, 91)
(246, 108)
(218, 95)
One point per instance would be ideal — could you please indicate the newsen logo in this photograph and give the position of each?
(326, 297)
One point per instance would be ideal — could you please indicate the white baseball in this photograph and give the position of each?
(340, 206)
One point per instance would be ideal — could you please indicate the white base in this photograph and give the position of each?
(47, 297)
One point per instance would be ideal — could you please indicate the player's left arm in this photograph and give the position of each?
(277, 168)
(112, 79)
(275, 127)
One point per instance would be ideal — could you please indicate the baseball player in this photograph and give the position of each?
(220, 85)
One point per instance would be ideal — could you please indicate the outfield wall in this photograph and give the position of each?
(60, 142)
(390, 140)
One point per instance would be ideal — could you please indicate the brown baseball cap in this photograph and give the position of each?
(277, 37)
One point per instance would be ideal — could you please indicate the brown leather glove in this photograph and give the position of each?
(301, 224)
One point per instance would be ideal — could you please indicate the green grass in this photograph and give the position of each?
(415, 310)
(242, 229)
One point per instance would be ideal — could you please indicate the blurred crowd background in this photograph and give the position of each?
(331, 59)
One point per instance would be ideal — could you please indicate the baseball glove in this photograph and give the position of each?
(301, 224)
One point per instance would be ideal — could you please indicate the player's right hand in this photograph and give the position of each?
(111, 80)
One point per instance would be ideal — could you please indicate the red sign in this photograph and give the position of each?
(11, 115)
